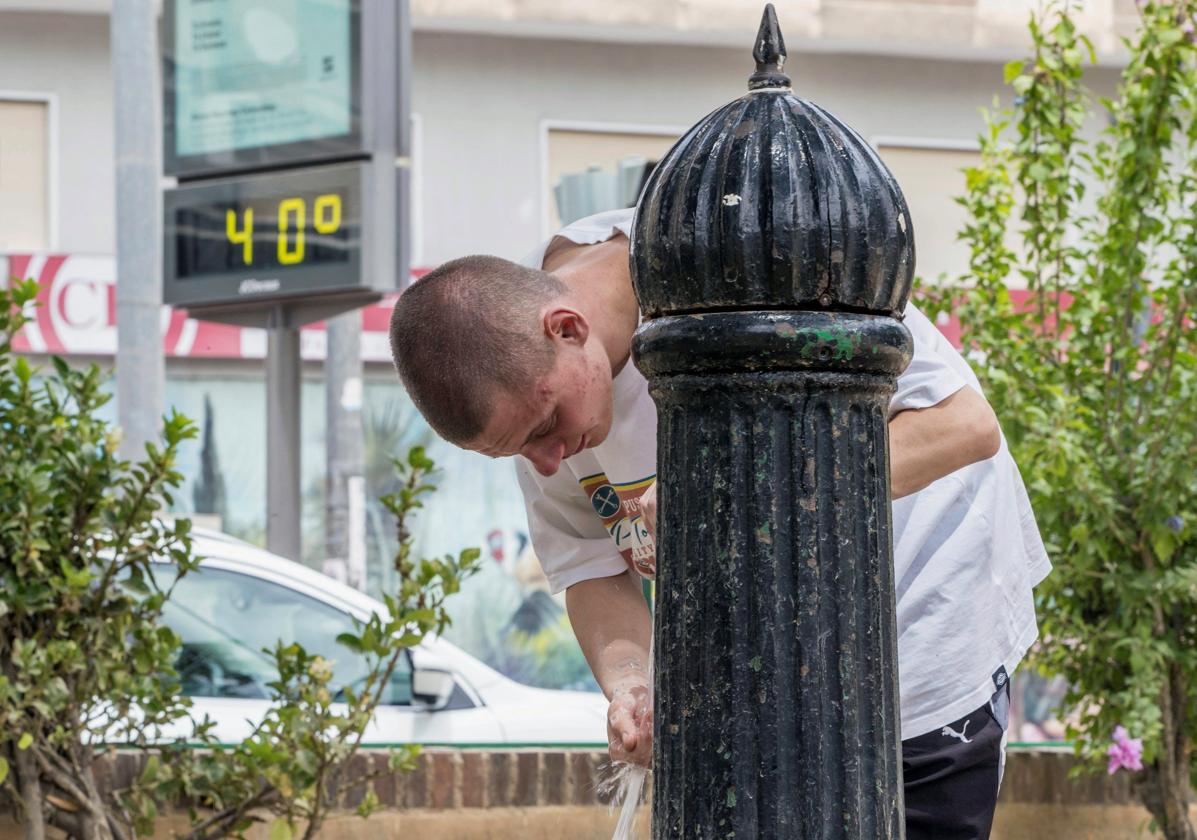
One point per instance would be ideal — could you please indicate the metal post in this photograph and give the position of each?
(345, 545)
(771, 252)
(139, 361)
(283, 472)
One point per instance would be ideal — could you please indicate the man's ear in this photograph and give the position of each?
(564, 324)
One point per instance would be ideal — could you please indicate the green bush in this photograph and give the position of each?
(1095, 377)
(86, 663)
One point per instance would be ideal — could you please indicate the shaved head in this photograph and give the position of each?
(467, 332)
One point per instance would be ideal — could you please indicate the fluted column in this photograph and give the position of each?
(772, 256)
(776, 683)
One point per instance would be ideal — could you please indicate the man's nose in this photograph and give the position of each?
(545, 456)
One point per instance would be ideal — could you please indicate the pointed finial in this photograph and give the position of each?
(770, 54)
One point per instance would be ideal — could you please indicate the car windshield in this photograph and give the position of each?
(228, 620)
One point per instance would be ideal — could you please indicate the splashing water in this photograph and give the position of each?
(626, 781)
(630, 779)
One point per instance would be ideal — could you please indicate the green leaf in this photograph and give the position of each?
(417, 460)
(26, 742)
(1170, 37)
(280, 830)
(3, 769)
(1164, 545)
(350, 641)
(1013, 70)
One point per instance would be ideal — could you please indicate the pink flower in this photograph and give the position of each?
(1125, 751)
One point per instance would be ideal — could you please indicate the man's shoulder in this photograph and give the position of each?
(563, 253)
(589, 230)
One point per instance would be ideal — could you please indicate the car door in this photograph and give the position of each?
(228, 619)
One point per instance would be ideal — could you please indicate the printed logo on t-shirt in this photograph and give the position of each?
(618, 506)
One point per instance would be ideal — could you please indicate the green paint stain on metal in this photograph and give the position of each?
(844, 344)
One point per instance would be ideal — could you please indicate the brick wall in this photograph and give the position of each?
(533, 794)
(492, 779)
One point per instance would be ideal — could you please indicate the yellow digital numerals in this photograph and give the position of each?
(243, 236)
(288, 207)
(292, 226)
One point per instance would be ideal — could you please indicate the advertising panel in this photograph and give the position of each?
(253, 83)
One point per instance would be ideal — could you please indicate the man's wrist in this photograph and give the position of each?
(627, 682)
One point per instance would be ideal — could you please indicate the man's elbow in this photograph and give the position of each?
(987, 435)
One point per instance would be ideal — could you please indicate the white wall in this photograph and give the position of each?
(482, 100)
(68, 55)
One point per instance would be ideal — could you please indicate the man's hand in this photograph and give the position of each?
(630, 723)
(648, 509)
(614, 629)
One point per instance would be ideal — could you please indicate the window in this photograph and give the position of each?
(226, 619)
(931, 178)
(24, 175)
(572, 149)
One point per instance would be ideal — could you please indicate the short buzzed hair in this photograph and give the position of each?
(465, 330)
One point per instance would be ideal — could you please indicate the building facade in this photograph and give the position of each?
(507, 96)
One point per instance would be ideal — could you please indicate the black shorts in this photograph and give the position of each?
(951, 775)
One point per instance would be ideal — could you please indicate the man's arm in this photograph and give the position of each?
(925, 444)
(613, 626)
(928, 443)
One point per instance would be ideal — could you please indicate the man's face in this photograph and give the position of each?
(567, 410)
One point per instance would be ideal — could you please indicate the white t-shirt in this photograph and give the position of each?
(967, 551)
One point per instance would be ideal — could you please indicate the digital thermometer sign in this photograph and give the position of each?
(278, 235)
(287, 129)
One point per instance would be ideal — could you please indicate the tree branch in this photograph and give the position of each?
(219, 823)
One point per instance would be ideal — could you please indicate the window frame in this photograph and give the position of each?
(550, 124)
(921, 144)
(50, 100)
(415, 194)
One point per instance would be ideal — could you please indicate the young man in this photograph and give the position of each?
(533, 361)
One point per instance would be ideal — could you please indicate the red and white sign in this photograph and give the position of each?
(76, 315)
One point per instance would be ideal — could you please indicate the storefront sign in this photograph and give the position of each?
(75, 315)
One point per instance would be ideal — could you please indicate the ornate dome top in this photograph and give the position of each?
(770, 202)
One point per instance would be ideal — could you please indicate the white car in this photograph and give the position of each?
(243, 599)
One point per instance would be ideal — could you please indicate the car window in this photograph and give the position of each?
(226, 620)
